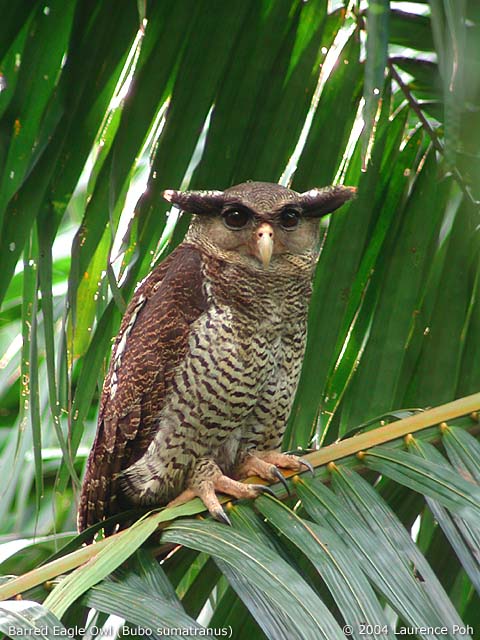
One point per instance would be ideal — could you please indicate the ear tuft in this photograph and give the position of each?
(198, 202)
(319, 202)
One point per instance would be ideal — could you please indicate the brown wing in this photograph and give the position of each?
(151, 342)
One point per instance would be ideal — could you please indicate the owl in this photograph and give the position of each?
(206, 364)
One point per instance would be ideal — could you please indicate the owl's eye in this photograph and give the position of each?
(289, 219)
(236, 218)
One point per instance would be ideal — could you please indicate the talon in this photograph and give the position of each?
(221, 516)
(308, 465)
(262, 488)
(281, 478)
(209, 479)
(283, 461)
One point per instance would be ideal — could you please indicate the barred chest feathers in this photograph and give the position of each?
(235, 387)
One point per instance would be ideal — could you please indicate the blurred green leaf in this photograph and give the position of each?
(378, 16)
(261, 575)
(430, 478)
(101, 109)
(23, 617)
(334, 562)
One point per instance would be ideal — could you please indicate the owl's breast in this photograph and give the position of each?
(228, 361)
(234, 371)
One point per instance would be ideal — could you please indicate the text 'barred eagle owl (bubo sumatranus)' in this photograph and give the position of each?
(206, 364)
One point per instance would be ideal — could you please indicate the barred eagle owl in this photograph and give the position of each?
(206, 364)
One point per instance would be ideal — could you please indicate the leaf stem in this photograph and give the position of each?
(416, 107)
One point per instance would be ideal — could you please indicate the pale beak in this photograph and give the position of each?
(265, 243)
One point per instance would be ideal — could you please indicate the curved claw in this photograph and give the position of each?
(221, 516)
(262, 488)
(280, 477)
(308, 465)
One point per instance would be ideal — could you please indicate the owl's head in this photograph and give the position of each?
(259, 222)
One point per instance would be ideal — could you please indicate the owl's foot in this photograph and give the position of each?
(285, 460)
(266, 464)
(252, 465)
(207, 481)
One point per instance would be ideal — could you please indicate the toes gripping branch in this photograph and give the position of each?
(207, 479)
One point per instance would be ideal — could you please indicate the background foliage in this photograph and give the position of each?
(101, 109)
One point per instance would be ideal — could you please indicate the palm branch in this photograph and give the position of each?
(100, 110)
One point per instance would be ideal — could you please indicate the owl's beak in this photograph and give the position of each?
(264, 248)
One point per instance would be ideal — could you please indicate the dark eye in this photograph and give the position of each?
(289, 219)
(236, 218)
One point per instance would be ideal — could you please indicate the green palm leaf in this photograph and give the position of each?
(101, 109)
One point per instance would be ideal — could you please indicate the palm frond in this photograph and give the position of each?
(100, 111)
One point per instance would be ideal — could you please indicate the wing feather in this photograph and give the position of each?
(152, 341)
